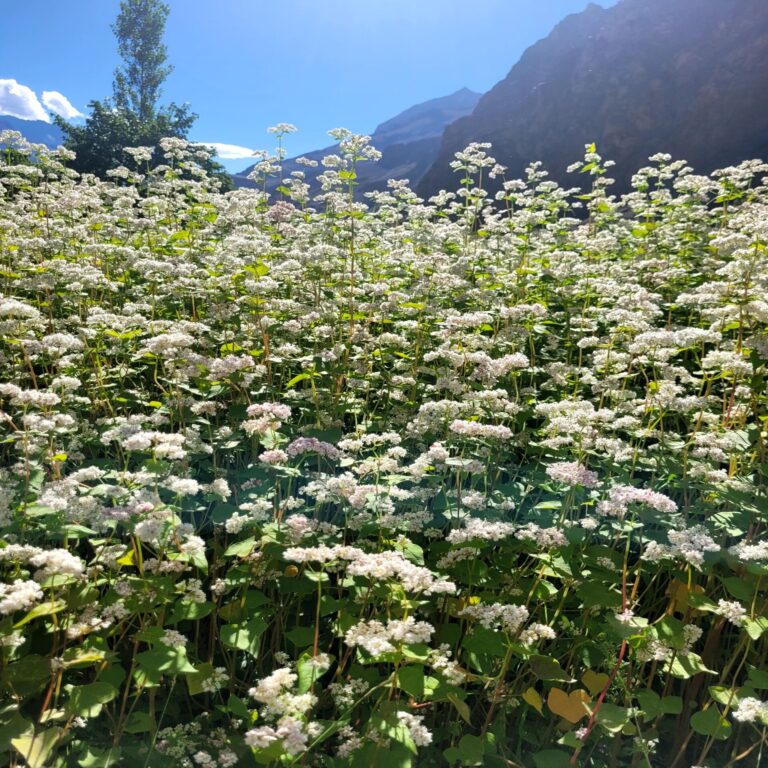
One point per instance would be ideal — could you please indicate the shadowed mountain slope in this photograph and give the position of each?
(687, 77)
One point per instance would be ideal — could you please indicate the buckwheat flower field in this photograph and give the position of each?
(376, 481)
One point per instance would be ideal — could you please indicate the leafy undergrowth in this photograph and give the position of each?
(334, 482)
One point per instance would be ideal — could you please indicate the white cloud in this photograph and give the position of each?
(18, 100)
(229, 151)
(60, 104)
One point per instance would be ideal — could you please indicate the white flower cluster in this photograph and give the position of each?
(224, 367)
(274, 457)
(21, 595)
(621, 496)
(322, 553)
(379, 566)
(475, 528)
(734, 612)
(535, 632)
(545, 538)
(750, 710)
(420, 734)
(56, 562)
(312, 445)
(154, 526)
(292, 731)
(350, 741)
(441, 661)
(347, 693)
(163, 445)
(173, 639)
(170, 345)
(689, 544)
(285, 707)
(263, 417)
(383, 566)
(274, 692)
(572, 473)
(49, 562)
(750, 552)
(377, 638)
(657, 649)
(481, 431)
(509, 616)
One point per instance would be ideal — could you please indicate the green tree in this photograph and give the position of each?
(133, 116)
(139, 30)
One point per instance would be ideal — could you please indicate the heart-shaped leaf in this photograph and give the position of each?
(594, 682)
(570, 706)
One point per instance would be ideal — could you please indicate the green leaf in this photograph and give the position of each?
(722, 695)
(548, 668)
(13, 726)
(612, 718)
(740, 587)
(756, 627)
(139, 722)
(244, 637)
(671, 705)
(709, 722)
(650, 703)
(451, 755)
(594, 593)
(471, 750)
(309, 671)
(27, 675)
(411, 680)
(461, 708)
(485, 646)
(186, 610)
(95, 758)
(378, 756)
(319, 577)
(35, 748)
(296, 379)
(43, 609)
(240, 548)
(686, 666)
(238, 707)
(552, 758)
(164, 660)
(75, 658)
(86, 700)
(758, 678)
(270, 754)
(301, 637)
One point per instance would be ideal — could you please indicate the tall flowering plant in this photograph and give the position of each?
(331, 481)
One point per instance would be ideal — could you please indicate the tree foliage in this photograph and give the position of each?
(133, 116)
(99, 144)
(139, 30)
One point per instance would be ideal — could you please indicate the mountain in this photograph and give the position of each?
(34, 131)
(409, 143)
(687, 77)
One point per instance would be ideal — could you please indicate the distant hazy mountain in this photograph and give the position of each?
(35, 131)
(409, 144)
(687, 77)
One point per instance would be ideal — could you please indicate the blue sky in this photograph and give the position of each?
(247, 64)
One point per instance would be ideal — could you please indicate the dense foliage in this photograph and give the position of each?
(389, 482)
